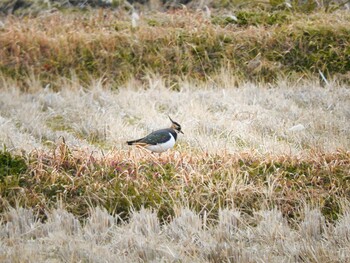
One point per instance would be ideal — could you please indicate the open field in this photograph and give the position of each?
(260, 153)
(262, 173)
(217, 117)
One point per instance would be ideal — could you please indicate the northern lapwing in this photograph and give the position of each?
(161, 140)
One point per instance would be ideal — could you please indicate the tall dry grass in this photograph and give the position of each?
(187, 238)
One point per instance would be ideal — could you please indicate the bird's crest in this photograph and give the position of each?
(175, 126)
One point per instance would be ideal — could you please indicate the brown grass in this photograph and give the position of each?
(175, 45)
(251, 148)
(121, 180)
(261, 174)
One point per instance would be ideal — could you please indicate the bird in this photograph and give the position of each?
(160, 140)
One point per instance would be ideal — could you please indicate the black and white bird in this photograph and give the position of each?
(161, 140)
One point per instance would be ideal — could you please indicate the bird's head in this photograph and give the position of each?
(175, 126)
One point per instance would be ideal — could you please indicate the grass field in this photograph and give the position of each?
(258, 173)
(217, 117)
(261, 173)
(263, 237)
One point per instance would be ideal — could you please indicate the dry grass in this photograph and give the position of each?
(104, 44)
(217, 117)
(249, 147)
(121, 180)
(261, 174)
(187, 238)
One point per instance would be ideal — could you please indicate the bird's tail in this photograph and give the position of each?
(132, 142)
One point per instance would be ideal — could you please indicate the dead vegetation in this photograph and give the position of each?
(261, 174)
(216, 116)
(122, 181)
(116, 46)
(251, 148)
(188, 237)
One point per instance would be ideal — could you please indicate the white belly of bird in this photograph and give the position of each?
(162, 147)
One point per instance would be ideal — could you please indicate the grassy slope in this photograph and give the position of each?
(179, 44)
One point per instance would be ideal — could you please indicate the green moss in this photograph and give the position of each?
(13, 169)
(317, 48)
(53, 191)
(223, 20)
(331, 209)
(261, 18)
(129, 196)
(153, 22)
(11, 164)
(163, 172)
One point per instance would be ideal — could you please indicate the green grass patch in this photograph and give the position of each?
(11, 165)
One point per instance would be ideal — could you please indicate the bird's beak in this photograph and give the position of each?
(182, 132)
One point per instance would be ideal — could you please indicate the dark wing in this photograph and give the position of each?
(156, 137)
